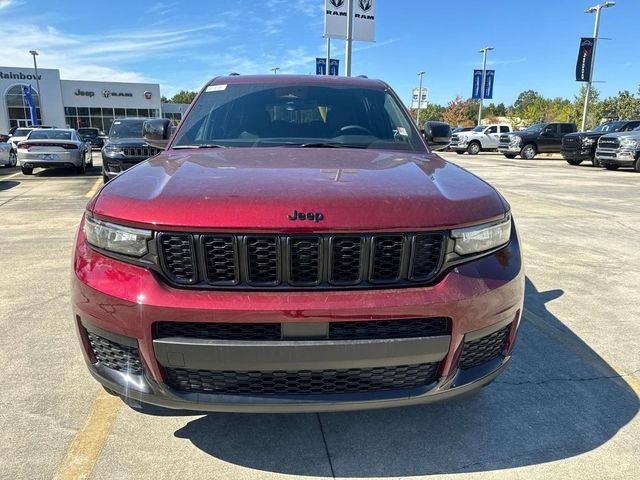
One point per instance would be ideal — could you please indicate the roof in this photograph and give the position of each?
(299, 79)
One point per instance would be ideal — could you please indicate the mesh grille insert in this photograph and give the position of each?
(262, 260)
(219, 331)
(177, 252)
(114, 355)
(387, 258)
(379, 329)
(220, 259)
(302, 382)
(427, 251)
(346, 260)
(304, 261)
(477, 352)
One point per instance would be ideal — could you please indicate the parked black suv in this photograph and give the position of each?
(580, 146)
(125, 147)
(538, 138)
(437, 134)
(94, 136)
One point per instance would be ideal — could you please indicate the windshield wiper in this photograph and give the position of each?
(201, 145)
(324, 145)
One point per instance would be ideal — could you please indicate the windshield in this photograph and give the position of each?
(89, 132)
(479, 128)
(50, 135)
(536, 127)
(22, 132)
(267, 115)
(609, 127)
(126, 129)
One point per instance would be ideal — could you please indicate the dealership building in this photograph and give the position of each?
(76, 103)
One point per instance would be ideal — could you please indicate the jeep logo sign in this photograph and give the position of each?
(311, 216)
(84, 93)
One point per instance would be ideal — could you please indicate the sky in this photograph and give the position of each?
(183, 44)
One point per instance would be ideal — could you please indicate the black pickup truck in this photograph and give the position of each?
(580, 146)
(538, 138)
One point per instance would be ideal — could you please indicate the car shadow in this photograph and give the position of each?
(7, 184)
(557, 399)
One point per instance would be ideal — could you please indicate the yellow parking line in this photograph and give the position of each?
(94, 189)
(86, 446)
(592, 358)
(11, 176)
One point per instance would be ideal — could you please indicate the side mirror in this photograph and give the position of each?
(156, 132)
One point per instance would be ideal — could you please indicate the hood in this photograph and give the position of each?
(635, 134)
(587, 134)
(125, 142)
(258, 189)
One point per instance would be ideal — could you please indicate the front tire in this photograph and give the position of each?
(636, 166)
(574, 161)
(81, 170)
(13, 159)
(90, 164)
(460, 152)
(27, 171)
(611, 166)
(595, 162)
(510, 156)
(474, 148)
(105, 179)
(528, 152)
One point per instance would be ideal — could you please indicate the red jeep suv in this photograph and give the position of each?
(295, 247)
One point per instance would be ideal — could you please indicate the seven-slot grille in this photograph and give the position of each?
(324, 261)
(145, 152)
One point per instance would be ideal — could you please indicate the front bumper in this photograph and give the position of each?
(123, 302)
(509, 148)
(616, 156)
(48, 160)
(459, 145)
(582, 154)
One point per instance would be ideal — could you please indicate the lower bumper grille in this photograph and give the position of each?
(351, 330)
(302, 382)
(477, 352)
(115, 355)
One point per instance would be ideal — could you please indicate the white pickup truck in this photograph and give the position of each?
(481, 138)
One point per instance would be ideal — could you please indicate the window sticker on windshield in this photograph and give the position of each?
(402, 131)
(216, 88)
(116, 123)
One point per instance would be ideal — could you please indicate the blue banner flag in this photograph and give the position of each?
(477, 84)
(488, 83)
(334, 67)
(27, 94)
(321, 66)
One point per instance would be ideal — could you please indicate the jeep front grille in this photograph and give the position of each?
(300, 261)
(141, 152)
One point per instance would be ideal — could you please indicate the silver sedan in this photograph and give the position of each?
(7, 154)
(54, 147)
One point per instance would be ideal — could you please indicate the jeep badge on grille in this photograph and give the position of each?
(296, 215)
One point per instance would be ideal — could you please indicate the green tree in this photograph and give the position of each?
(456, 112)
(183, 96)
(430, 111)
(594, 107)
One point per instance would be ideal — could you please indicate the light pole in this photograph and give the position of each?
(596, 27)
(420, 74)
(275, 70)
(35, 67)
(483, 51)
(349, 39)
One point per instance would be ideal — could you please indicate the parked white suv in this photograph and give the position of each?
(481, 138)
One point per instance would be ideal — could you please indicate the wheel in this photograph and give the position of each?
(595, 162)
(27, 171)
(611, 166)
(574, 161)
(13, 159)
(528, 152)
(90, 164)
(473, 148)
(82, 168)
(105, 179)
(460, 152)
(510, 155)
(636, 166)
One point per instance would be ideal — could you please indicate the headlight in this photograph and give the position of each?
(116, 238)
(587, 142)
(462, 139)
(481, 238)
(112, 149)
(628, 143)
(515, 139)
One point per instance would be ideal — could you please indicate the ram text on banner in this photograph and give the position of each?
(364, 20)
(585, 57)
(335, 18)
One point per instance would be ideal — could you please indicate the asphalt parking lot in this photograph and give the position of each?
(567, 407)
